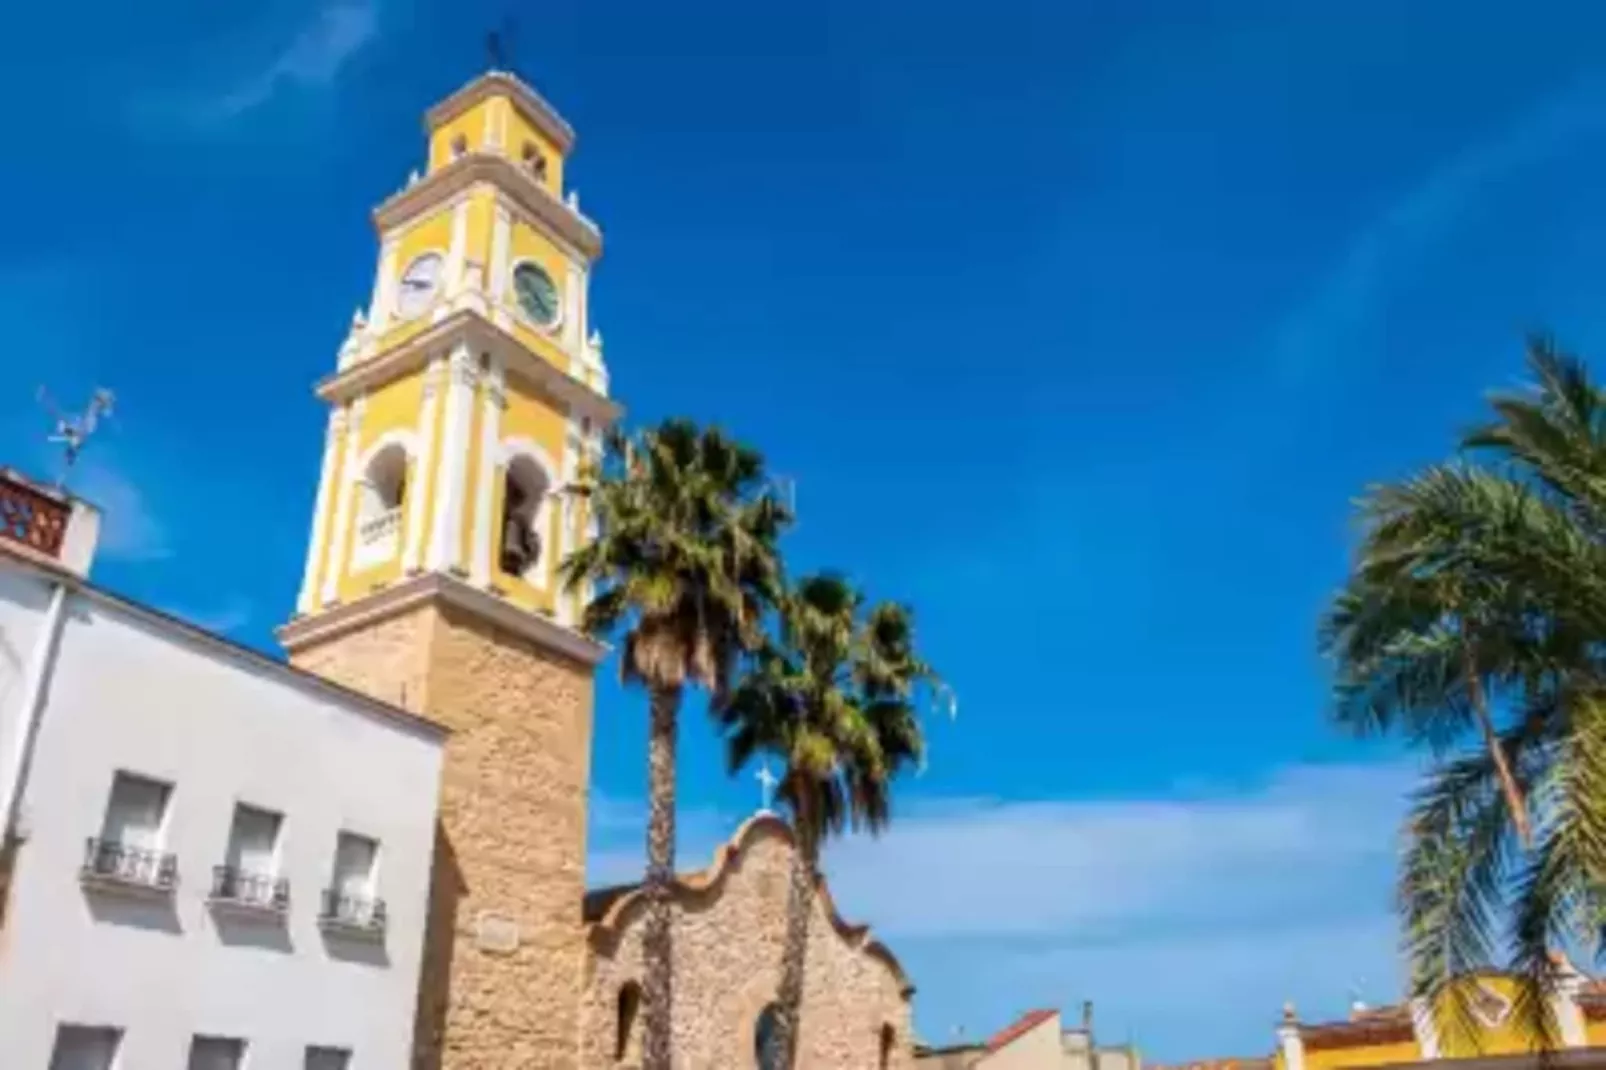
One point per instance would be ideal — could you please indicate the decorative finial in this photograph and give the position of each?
(573, 200)
(72, 432)
(596, 340)
(766, 782)
(358, 320)
(1289, 1017)
(412, 177)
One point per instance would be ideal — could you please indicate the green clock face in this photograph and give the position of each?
(538, 297)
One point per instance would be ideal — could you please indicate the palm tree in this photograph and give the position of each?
(837, 700)
(1478, 596)
(686, 566)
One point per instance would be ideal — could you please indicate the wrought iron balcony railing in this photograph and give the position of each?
(31, 518)
(354, 914)
(116, 864)
(241, 888)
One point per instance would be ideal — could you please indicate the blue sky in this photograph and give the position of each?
(1078, 326)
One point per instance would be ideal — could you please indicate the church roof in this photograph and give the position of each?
(606, 909)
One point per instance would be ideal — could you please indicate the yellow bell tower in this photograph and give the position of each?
(465, 399)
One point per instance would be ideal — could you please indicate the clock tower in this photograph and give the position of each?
(463, 402)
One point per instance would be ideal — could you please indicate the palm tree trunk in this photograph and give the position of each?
(1497, 753)
(799, 907)
(658, 981)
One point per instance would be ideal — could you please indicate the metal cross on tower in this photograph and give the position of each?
(499, 46)
(72, 432)
(766, 783)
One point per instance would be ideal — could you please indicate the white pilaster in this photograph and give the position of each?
(492, 114)
(573, 336)
(573, 451)
(501, 240)
(1426, 1029)
(384, 303)
(456, 254)
(1567, 1014)
(308, 599)
(446, 528)
(334, 555)
(1290, 1042)
(417, 496)
(493, 399)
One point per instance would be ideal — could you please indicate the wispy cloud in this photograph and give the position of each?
(308, 56)
(1190, 916)
(1387, 251)
(130, 528)
(313, 57)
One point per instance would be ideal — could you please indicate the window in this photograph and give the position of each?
(247, 876)
(355, 859)
(350, 905)
(136, 813)
(254, 841)
(327, 1059)
(767, 1040)
(459, 146)
(216, 1053)
(534, 160)
(625, 1044)
(84, 1047)
(889, 1040)
(128, 852)
(524, 491)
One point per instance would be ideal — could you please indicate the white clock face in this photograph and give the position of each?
(419, 284)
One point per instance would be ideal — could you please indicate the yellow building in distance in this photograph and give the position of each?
(1431, 1029)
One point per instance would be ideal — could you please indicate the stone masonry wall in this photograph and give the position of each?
(512, 843)
(728, 943)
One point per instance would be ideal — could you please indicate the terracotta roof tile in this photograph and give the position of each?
(1026, 1023)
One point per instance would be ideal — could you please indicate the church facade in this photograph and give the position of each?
(465, 399)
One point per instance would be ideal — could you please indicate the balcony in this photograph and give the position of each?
(31, 518)
(352, 915)
(238, 891)
(113, 866)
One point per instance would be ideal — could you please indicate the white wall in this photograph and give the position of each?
(131, 694)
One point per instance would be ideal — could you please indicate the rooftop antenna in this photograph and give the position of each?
(499, 45)
(73, 432)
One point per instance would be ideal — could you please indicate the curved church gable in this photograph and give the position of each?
(729, 932)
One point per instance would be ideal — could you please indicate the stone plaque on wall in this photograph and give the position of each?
(496, 933)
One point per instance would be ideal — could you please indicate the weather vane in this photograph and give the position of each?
(72, 432)
(499, 46)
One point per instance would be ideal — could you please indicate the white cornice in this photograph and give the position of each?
(482, 335)
(534, 107)
(440, 587)
(493, 169)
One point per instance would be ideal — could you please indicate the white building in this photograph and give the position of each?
(216, 860)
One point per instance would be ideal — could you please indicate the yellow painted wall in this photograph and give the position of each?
(519, 130)
(1594, 1032)
(510, 131)
(470, 125)
(1366, 1055)
(1509, 1037)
